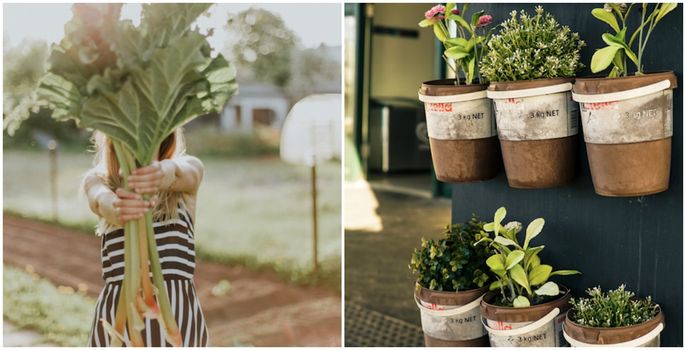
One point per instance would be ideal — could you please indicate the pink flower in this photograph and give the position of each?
(484, 21)
(437, 11)
(455, 11)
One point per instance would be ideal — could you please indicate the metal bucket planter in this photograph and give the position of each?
(627, 125)
(537, 125)
(462, 134)
(646, 334)
(451, 318)
(534, 326)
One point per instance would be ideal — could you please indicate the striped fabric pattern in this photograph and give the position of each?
(176, 248)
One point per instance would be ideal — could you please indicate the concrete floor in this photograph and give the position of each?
(377, 276)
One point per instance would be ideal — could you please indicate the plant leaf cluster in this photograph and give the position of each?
(454, 262)
(614, 308)
(532, 47)
(619, 45)
(520, 275)
(464, 52)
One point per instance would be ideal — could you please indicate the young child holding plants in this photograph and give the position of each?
(172, 182)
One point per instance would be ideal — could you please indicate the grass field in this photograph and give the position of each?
(251, 211)
(35, 303)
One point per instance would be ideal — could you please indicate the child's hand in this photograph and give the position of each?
(130, 206)
(146, 180)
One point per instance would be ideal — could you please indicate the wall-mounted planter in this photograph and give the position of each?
(646, 334)
(533, 326)
(627, 125)
(451, 318)
(537, 125)
(461, 127)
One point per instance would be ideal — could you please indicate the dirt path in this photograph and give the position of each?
(259, 310)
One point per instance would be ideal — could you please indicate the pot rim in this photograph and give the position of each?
(433, 295)
(598, 77)
(566, 295)
(598, 85)
(527, 84)
(658, 316)
(445, 87)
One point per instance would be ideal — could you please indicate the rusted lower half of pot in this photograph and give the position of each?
(523, 314)
(630, 169)
(465, 160)
(596, 335)
(478, 342)
(540, 163)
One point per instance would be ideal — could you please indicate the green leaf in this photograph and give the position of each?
(534, 228)
(471, 66)
(539, 274)
(461, 21)
(427, 23)
(475, 18)
(457, 41)
(549, 289)
(496, 262)
(488, 227)
(505, 241)
(518, 275)
(449, 7)
(438, 31)
(618, 60)
(603, 58)
(533, 261)
(607, 17)
(513, 259)
(665, 8)
(456, 53)
(565, 273)
(521, 301)
(616, 41)
(499, 215)
(495, 285)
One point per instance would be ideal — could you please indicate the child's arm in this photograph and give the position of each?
(181, 174)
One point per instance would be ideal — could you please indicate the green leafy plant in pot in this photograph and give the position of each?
(451, 279)
(531, 64)
(522, 306)
(613, 318)
(136, 84)
(627, 118)
(459, 116)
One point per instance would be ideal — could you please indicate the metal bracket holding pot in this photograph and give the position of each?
(631, 343)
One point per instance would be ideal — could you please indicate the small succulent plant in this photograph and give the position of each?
(614, 308)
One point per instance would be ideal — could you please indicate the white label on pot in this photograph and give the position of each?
(544, 336)
(464, 326)
(639, 119)
(466, 120)
(537, 117)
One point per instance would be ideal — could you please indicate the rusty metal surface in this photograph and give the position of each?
(540, 163)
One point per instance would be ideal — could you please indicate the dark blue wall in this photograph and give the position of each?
(637, 240)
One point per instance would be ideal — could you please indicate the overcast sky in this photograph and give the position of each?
(313, 23)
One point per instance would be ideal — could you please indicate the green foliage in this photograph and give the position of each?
(464, 52)
(452, 263)
(619, 45)
(263, 45)
(520, 276)
(207, 141)
(615, 308)
(136, 84)
(532, 47)
(61, 315)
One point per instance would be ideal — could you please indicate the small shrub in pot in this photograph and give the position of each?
(523, 307)
(531, 64)
(451, 279)
(613, 317)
